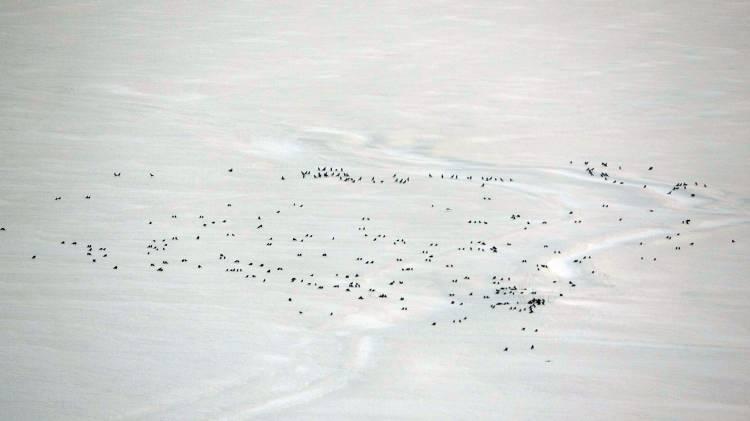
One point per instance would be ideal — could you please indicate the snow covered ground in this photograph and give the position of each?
(489, 124)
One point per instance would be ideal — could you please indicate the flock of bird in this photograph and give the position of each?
(385, 278)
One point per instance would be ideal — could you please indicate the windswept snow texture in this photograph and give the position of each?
(374, 210)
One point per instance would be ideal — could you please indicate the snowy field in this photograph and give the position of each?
(360, 210)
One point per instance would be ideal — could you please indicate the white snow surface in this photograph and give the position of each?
(645, 316)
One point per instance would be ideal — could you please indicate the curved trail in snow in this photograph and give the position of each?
(202, 406)
(362, 350)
